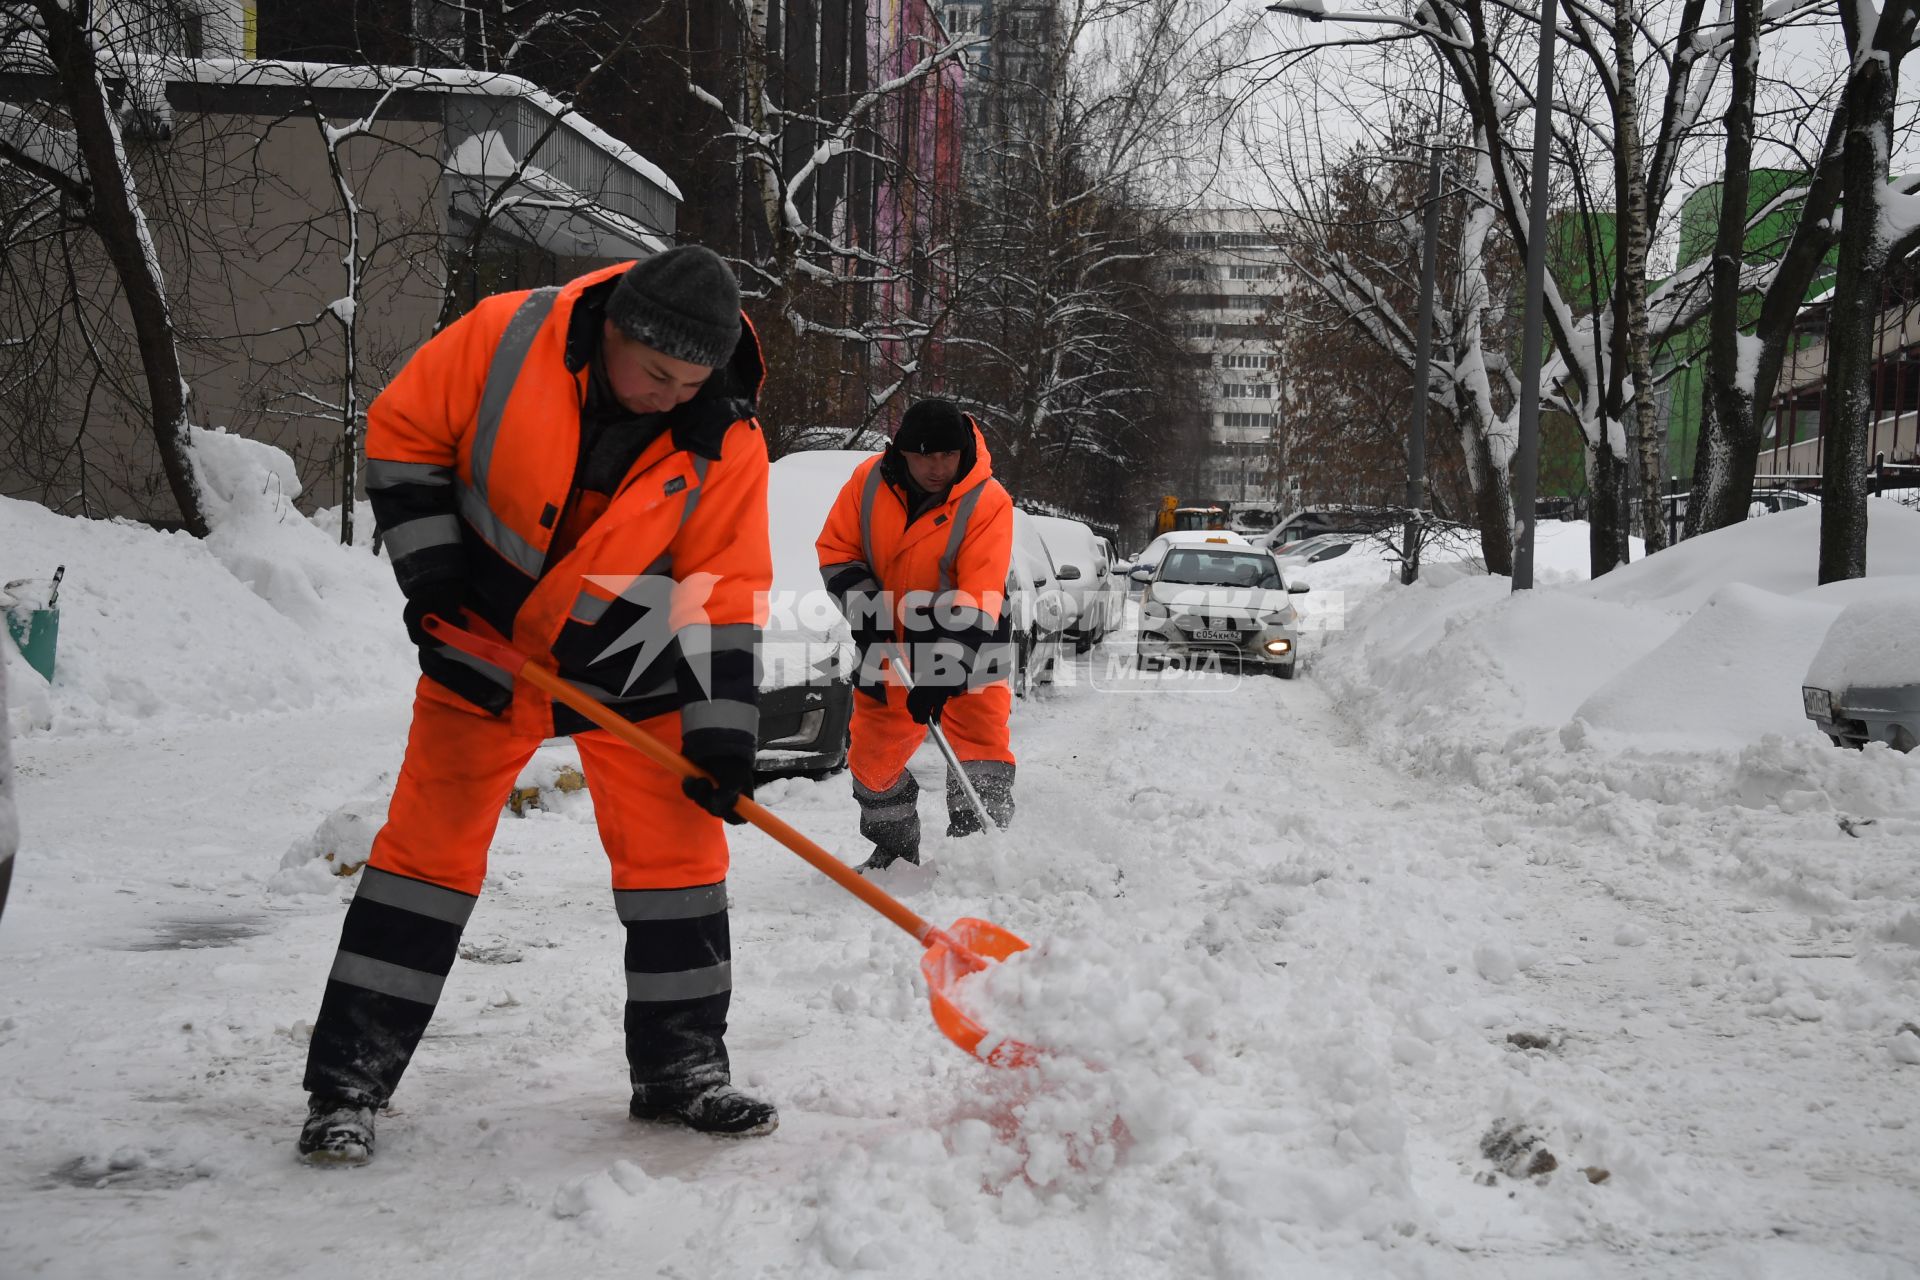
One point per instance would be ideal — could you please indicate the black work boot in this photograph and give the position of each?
(890, 819)
(718, 1109)
(883, 857)
(338, 1132)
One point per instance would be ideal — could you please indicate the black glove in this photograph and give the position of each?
(732, 780)
(447, 599)
(869, 640)
(924, 702)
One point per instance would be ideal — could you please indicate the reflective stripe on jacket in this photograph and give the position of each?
(471, 454)
(943, 575)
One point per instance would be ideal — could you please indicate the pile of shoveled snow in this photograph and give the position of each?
(270, 613)
(1701, 647)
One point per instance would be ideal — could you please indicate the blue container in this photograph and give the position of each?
(37, 632)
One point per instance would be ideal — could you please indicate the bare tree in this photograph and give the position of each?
(81, 57)
(1351, 235)
(847, 283)
(1593, 302)
(1880, 227)
(1065, 339)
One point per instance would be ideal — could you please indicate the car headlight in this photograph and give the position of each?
(1278, 618)
(1153, 609)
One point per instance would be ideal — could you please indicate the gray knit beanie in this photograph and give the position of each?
(683, 303)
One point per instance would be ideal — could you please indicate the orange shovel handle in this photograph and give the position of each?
(511, 659)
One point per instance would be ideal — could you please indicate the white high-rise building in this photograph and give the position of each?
(1231, 273)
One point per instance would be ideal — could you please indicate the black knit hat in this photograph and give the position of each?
(683, 303)
(933, 426)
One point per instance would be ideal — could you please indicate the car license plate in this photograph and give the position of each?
(1215, 634)
(1818, 702)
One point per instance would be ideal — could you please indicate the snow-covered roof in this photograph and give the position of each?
(490, 84)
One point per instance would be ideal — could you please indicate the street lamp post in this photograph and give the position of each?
(1422, 364)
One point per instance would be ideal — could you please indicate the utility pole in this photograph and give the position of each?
(1526, 469)
(1422, 361)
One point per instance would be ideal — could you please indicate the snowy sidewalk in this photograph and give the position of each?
(1289, 979)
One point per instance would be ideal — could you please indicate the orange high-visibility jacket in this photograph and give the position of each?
(471, 454)
(944, 575)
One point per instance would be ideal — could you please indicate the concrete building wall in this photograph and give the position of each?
(252, 233)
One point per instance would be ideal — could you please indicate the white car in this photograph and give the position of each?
(1220, 603)
(1082, 568)
(1041, 611)
(1154, 552)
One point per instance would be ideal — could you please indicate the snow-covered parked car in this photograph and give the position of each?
(1081, 568)
(1154, 552)
(806, 653)
(1220, 602)
(1041, 611)
(1864, 682)
(1326, 546)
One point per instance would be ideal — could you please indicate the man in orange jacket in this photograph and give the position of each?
(576, 470)
(916, 551)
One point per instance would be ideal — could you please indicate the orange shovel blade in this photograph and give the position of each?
(965, 947)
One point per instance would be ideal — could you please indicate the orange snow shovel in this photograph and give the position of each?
(967, 946)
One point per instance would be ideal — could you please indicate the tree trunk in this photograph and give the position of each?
(1633, 279)
(1492, 502)
(1608, 488)
(1853, 320)
(114, 214)
(1729, 444)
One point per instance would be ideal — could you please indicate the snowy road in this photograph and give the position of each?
(1298, 989)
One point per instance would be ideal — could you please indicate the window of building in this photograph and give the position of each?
(1246, 302)
(1247, 391)
(1261, 420)
(1240, 360)
(1249, 273)
(1189, 273)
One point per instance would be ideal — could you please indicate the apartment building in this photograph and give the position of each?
(1229, 273)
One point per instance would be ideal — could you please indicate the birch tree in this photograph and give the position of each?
(1485, 50)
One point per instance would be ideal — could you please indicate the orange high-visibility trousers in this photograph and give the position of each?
(460, 766)
(885, 736)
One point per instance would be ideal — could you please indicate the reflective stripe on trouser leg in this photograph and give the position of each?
(993, 781)
(403, 927)
(397, 946)
(669, 861)
(891, 818)
(679, 985)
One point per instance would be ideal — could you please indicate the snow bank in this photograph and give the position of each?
(1699, 648)
(1728, 675)
(269, 613)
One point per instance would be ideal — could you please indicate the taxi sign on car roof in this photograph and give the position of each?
(1216, 539)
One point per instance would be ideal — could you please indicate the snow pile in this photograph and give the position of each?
(1701, 647)
(268, 613)
(1728, 675)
